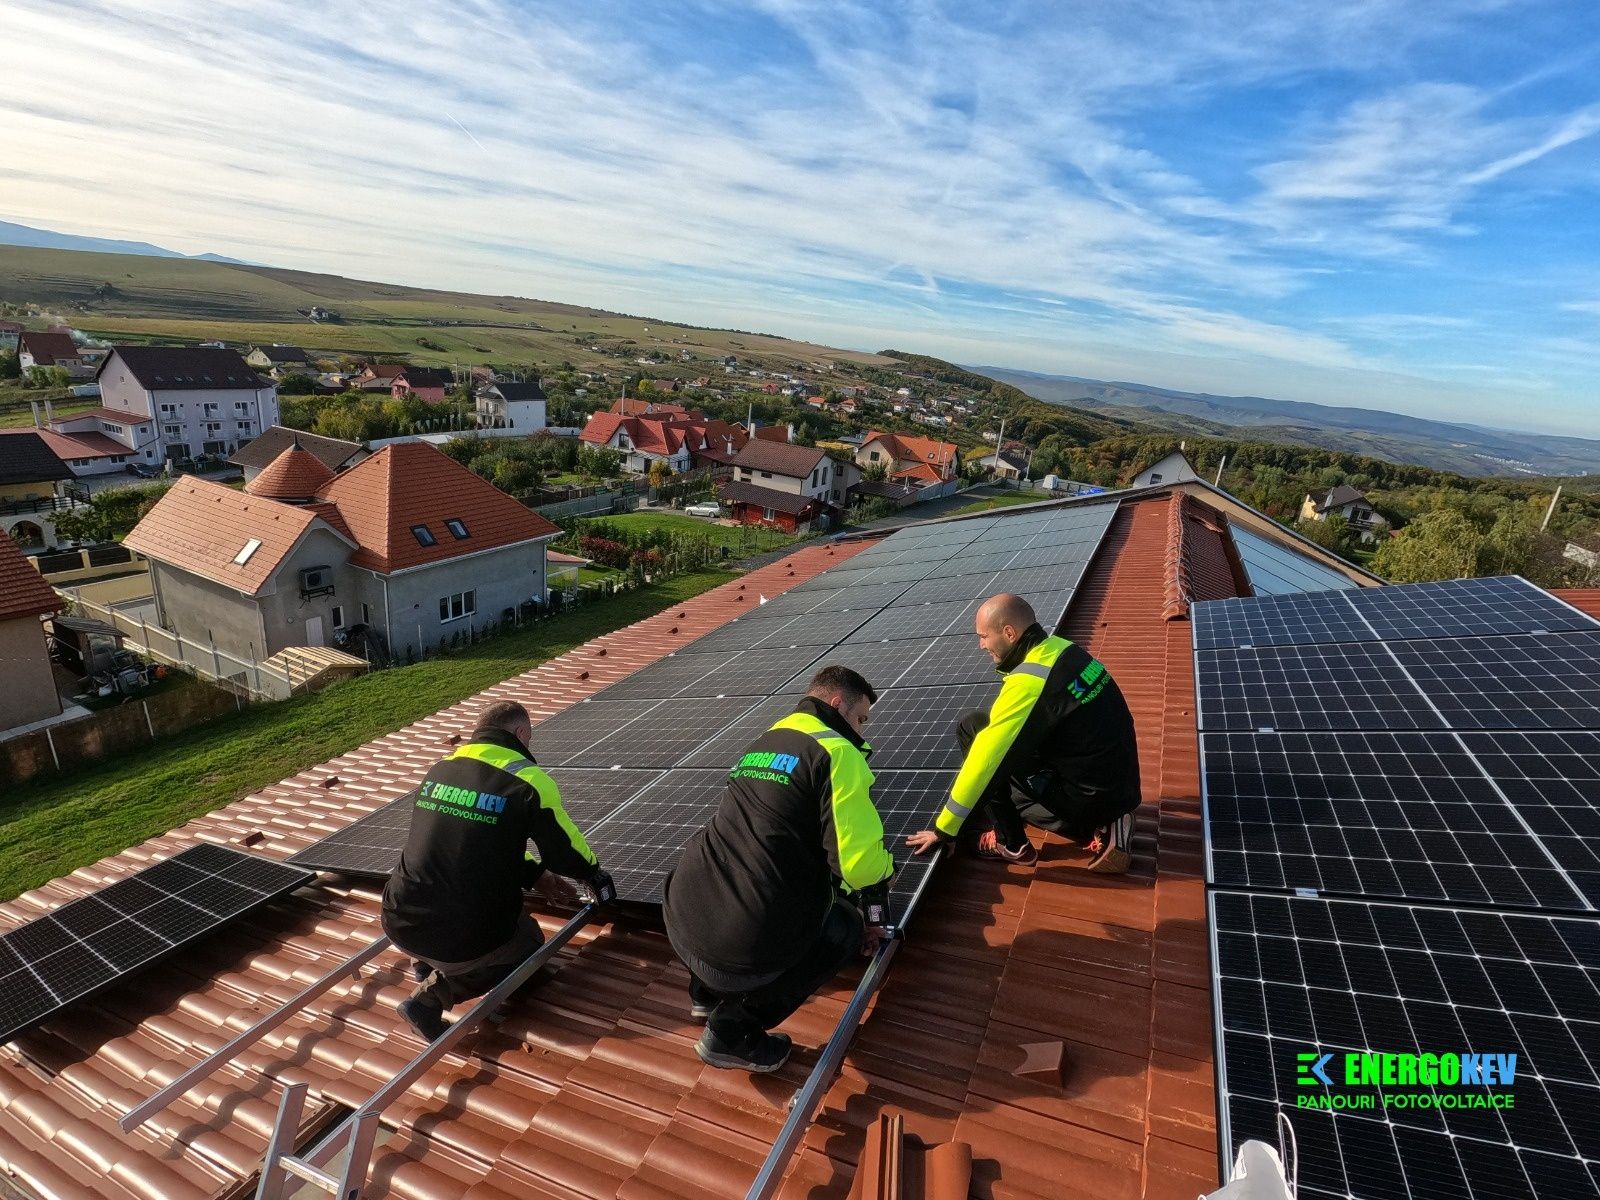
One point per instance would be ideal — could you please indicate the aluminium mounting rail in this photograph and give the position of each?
(358, 1132)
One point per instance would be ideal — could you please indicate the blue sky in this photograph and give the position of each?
(1390, 203)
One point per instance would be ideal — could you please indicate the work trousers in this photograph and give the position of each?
(1039, 799)
(742, 1009)
(449, 983)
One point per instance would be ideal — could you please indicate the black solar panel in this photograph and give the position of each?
(864, 596)
(673, 729)
(908, 801)
(1354, 685)
(815, 629)
(1528, 681)
(916, 621)
(1058, 577)
(906, 572)
(941, 589)
(563, 737)
(1465, 608)
(957, 658)
(880, 663)
(1300, 978)
(760, 673)
(641, 842)
(58, 959)
(1407, 815)
(722, 750)
(1288, 619)
(667, 676)
(915, 728)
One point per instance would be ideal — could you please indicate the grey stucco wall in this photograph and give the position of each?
(199, 610)
(285, 613)
(29, 693)
(502, 578)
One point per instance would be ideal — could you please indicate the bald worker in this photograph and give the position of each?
(1056, 750)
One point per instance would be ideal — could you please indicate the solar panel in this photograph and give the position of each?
(908, 801)
(914, 621)
(641, 842)
(958, 658)
(722, 749)
(915, 728)
(563, 737)
(860, 597)
(950, 587)
(1298, 978)
(760, 673)
(847, 574)
(1521, 681)
(1465, 608)
(672, 730)
(816, 629)
(370, 847)
(1053, 553)
(982, 564)
(1289, 619)
(67, 955)
(905, 572)
(1406, 815)
(1552, 780)
(880, 663)
(666, 676)
(1059, 577)
(1353, 685)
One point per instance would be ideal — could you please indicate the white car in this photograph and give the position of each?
(705, 508)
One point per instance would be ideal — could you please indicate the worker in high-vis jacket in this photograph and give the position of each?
(455, 901)
(787, 881)
(1056, 750)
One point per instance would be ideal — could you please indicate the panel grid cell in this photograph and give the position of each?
(915, 728)
(1297, 978)
(1522, 681)
(672, 731)
(1337, 686)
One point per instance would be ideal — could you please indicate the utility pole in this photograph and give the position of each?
(1218, 482)
(1551, 511)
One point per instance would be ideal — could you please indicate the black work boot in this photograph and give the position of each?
(765, 1054)
(427, 1020)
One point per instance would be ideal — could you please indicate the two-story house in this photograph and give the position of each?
(29, 693)
(31, 477)
(166, 403)
(280, 361)
(35, 349)
(407, 544)
(425, 383)
(509, 405)
(378, 377)
(1346, 501)
(786, 486)
(680, 442)
(256, 456)
(909, 458)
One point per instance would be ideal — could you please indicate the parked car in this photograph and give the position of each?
(706, 508)
(144, 470)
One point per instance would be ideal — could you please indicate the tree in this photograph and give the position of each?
(1331, 533)
(10, 365)
(53, 378)
(875, 472)
(660, 472)
(297, 385)
(1438, 545)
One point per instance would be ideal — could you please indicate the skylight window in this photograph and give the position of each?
(457, 528)
(423, 535)
(250, 548)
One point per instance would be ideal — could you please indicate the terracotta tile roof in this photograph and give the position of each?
(23, 591)
(1587, 599)
(781, 458)
(772, 433)
(201, 527)
(273, 441)
(748, 493)
(925, 472)
(915, 448)
(634, 407)
(117, 416)
(425, 377)
(590, 1088)
(599, 429)
(26, 456)
(412, 484)
(81, 445)
(185, 368)
(296, 474)
(389, 371)
(48, 348)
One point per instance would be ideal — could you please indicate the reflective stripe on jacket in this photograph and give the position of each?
(856, 850)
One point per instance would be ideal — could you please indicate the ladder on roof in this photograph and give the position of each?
(358, 1132)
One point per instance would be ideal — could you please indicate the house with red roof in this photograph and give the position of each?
(407, 543)
(636, 407)
(425, 383)
(909, 457)
(378, 377)
(786, 486)
(36, 349)
(680, 442)
(29, 693)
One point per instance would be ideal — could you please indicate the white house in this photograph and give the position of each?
(519, 406)
(1174, 468)
(174, 402)
(1348, 503)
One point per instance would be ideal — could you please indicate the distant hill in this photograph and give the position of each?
(12, 234)
(1395, 437)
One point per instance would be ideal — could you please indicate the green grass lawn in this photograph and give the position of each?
(740, 539)
(54, 826)
(1003, 500)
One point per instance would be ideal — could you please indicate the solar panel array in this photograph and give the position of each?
(642, 764)
(85, 945)
(1402, 798)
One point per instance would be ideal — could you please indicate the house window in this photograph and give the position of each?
(170, 410)
(766, 474)
(213, 428)
(210, 410)
(242, 407)
(875, 456)
(768, 515)
(172, 431)
(457, 605)
(366, 612)
(457, 528)
(422, 534)
(1155, 477)
(244, 426)
(338, 616)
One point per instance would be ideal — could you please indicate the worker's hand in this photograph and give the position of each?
(927, 839)
(558, 890)
(601, 888)
(871, 940)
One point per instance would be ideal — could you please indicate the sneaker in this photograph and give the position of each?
(1112, 847)
(990, 846)
(699, 1011)
(428, 1021)
(420, 970)
(769, 1052)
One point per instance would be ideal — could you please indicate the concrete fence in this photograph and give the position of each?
(111, 731)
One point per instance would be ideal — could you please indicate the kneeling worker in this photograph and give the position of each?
(455, 900)
(767, 902)
(1056, 749)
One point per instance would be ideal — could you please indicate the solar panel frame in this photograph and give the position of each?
(1465, 608)
(66, 956)
(1295, 975)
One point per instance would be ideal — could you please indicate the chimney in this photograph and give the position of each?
(49, 411)
(35, 405)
